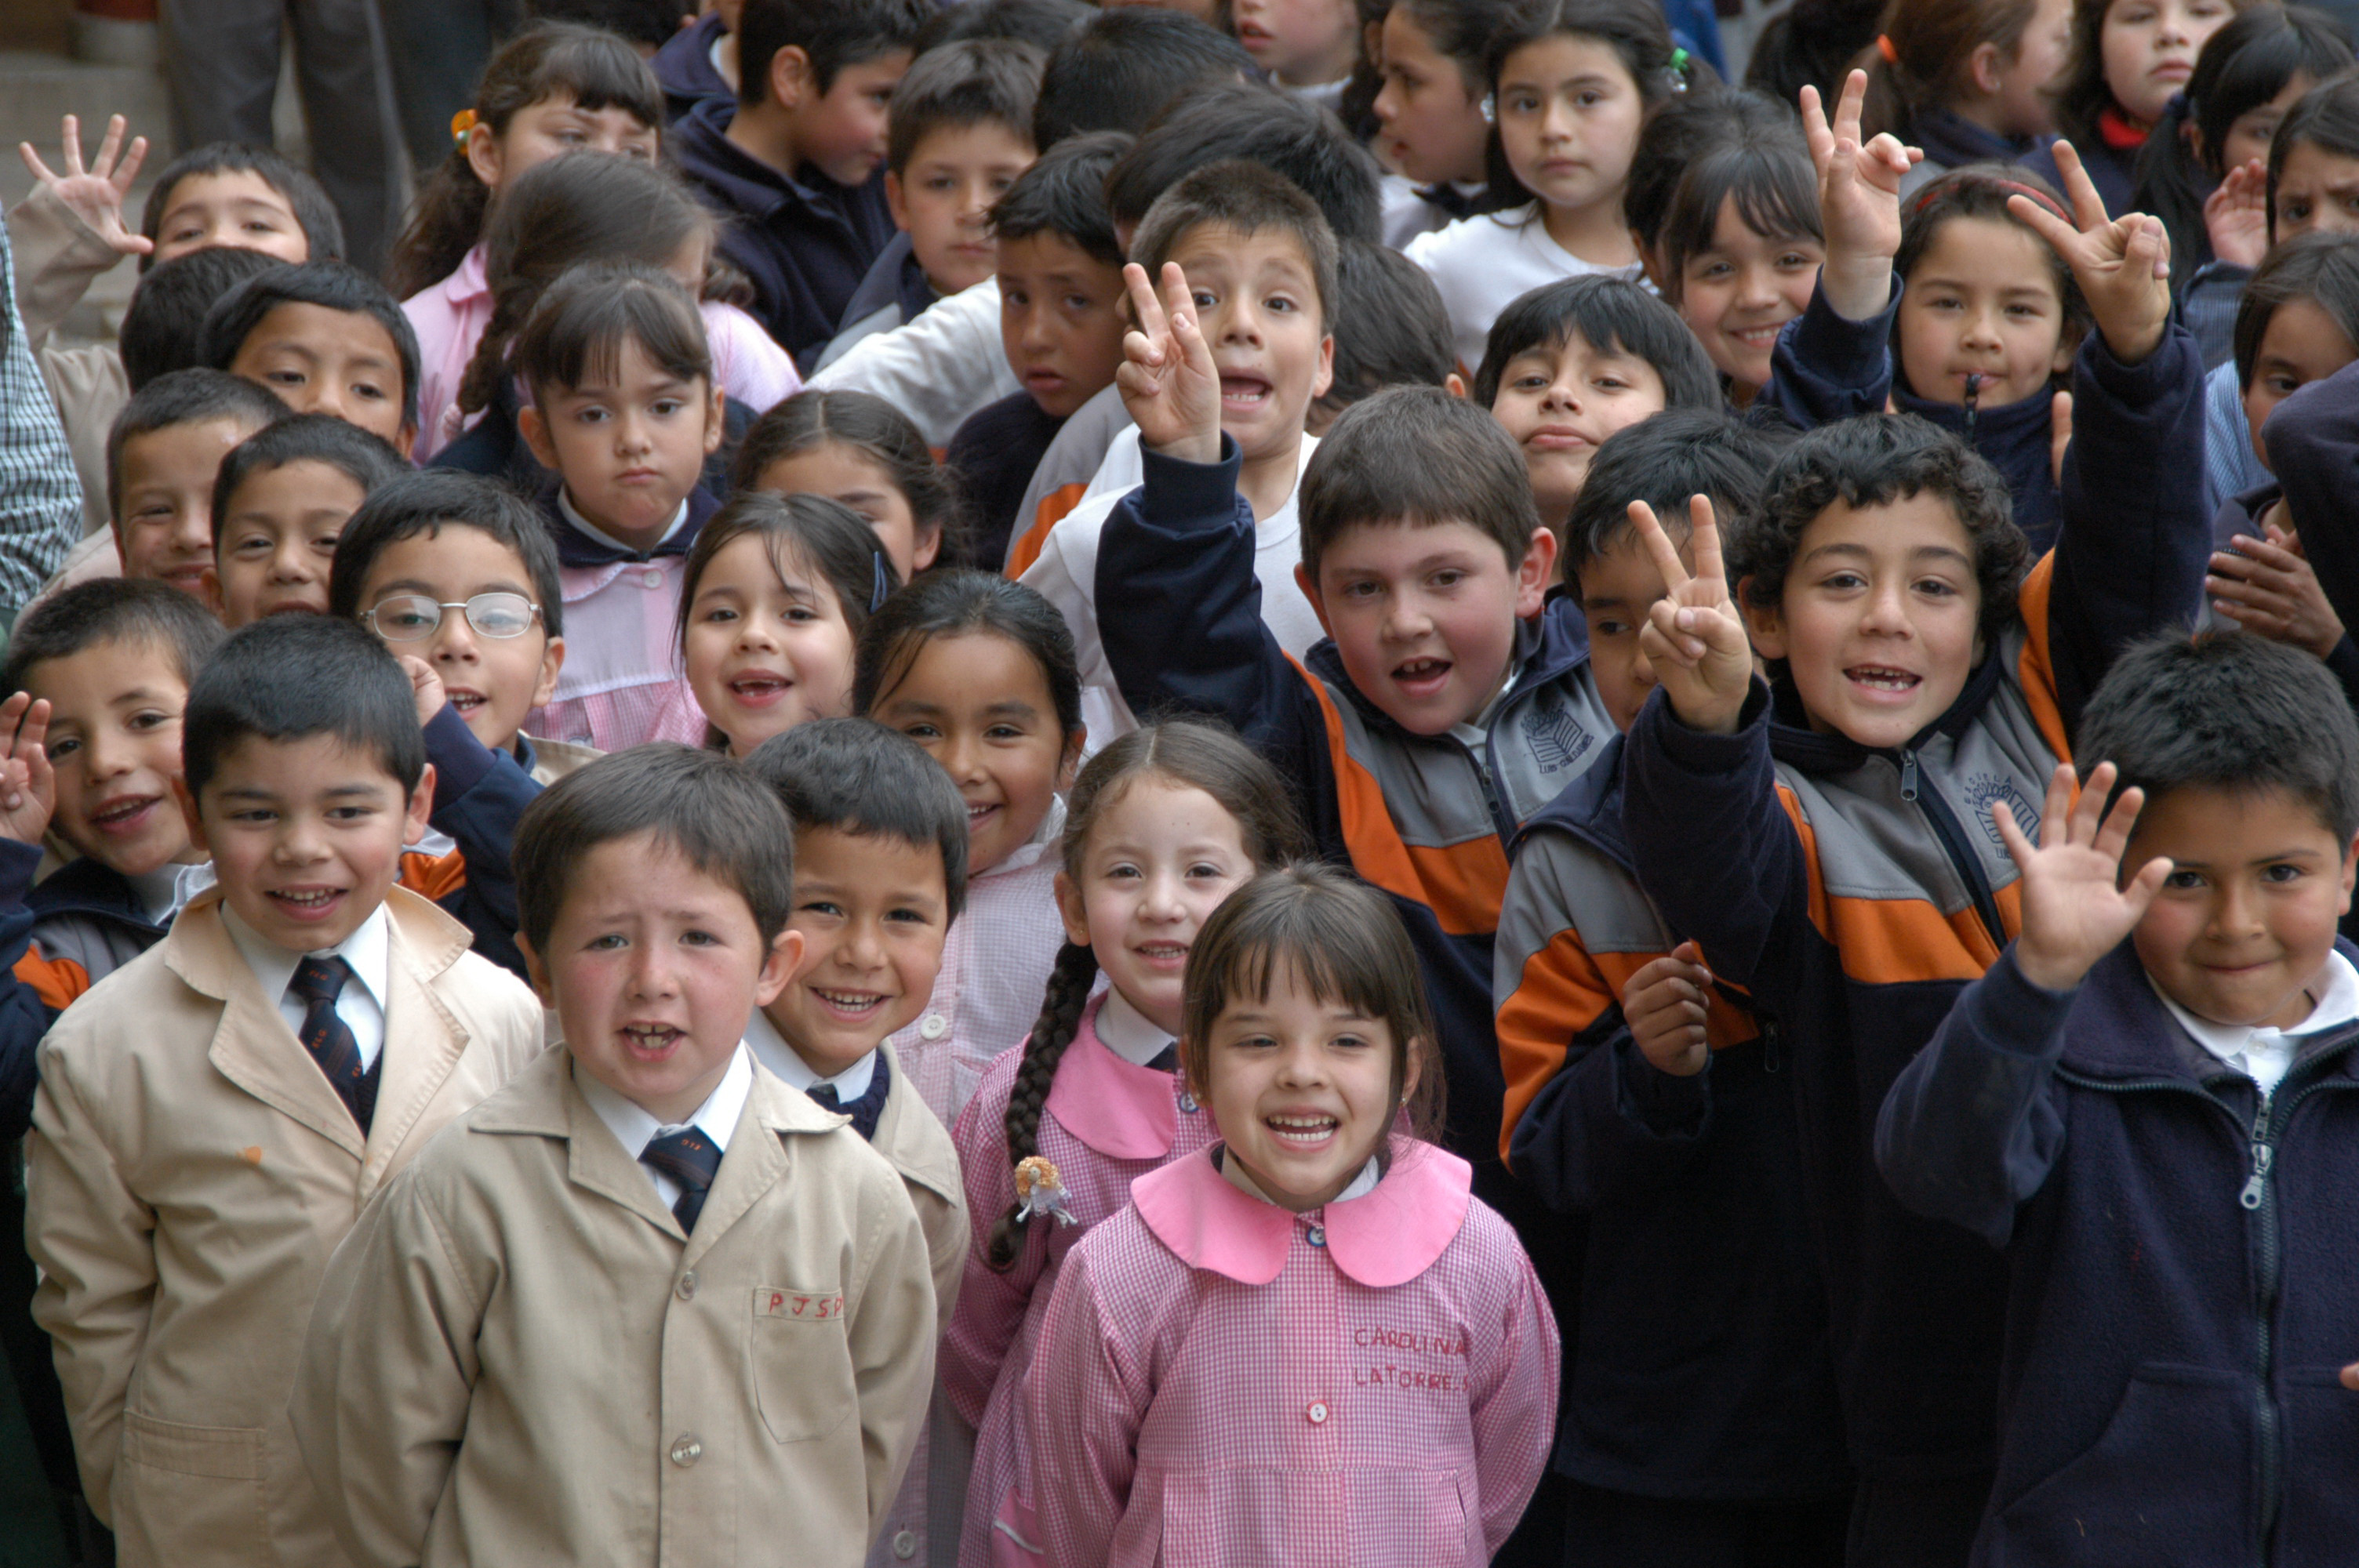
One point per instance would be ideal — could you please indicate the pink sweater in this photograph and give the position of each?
(1106, 1123)
(1219, 1380)
(449, 320)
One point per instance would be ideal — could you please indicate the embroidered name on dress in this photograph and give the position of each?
(1368, 1372)
(805, 1304)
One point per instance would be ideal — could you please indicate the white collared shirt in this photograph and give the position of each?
(635, 1127)
(565, 506)
(2266, 1055)
(1128, 1032)
(770, 1048)
(367, 952)
(1361, 1184)
(165, 891)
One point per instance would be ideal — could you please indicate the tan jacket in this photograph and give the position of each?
(519, 1359)
(912, 1138)
(58, 256)
(189, 1173)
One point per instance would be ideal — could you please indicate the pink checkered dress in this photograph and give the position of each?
(1219, 1380)
(1106, 1123)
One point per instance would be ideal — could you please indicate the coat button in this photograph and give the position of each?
(687, 1286)
(1187, 1102)
(1318, 1418)
(1318, 1237)
(934, 1027)
(687, 1450)
(905, 1545)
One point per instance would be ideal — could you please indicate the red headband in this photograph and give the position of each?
(2012, 187)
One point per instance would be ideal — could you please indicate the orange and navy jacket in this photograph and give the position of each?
(58, 938)
(1854, 893)
(1425, 818)
(1699, 1365)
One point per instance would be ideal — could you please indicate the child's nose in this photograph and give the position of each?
(293, 564)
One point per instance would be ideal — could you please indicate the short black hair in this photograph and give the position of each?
(164, 326)
(1063, 193)
(832, 33)
(184, 397)
(649, 22)
(1608, 313)
(2320, 266)
(1043, 24)
(1417, 455)
(980, 81)
(2327, 117)
(115, 609)
(330, 286)
(719, 819)
(1120, 70)
(1281, 131)
(288, 678)
(2227, 711)
(1874, 460)
(1390, 327)
(1665, 461)
(856, 776)
(323, 232)
(366, 460)
(580, 327)
(1246, 199)
(428, 501)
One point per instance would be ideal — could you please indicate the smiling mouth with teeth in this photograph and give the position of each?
(122, 811)
(850, 1002)
(1881, 679)
(1301, 1128)
(652, 1039)
(309, 900)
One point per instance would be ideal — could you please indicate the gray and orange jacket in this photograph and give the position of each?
(1425, 818)
(1852, 893)
(1700, 1366)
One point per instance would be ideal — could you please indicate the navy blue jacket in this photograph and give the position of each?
(1951, 141)
(1702, 1367)
(993, 454)
(1825, 368)
(804, 242)
(479, 794)
(87, 891)
(2181, 1257)
(2313, 441)
(895, 278)
(683, 67)
(1901, 857)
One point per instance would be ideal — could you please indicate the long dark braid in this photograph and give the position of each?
(1061, 1005)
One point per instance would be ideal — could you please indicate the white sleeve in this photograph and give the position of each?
(938, 368)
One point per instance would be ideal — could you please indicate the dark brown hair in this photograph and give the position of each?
(578, 329)
(960, 604)
(1416, 454)
(1981, 190)
(974, 81)
(797, 531)
(1930, 62)
(1192, 754)
(874, 429)
(1246, 199)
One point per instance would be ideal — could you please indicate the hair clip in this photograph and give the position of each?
(1489, 108)
(463, 126)
(1680, 58)
(1884, 47)
(1040, 1190)
(882, 589)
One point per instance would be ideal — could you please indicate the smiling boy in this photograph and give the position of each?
(213, 1114)
(162, 458)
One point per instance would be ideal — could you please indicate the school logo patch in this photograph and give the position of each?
(1985, 790)
(1557, 738)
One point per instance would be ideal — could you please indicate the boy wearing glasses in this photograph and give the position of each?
(457, 577)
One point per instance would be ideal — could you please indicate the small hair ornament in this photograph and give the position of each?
(463, 126)
(882, 589)
(1682, 70)
(1884, 48)
(1489, 108)
(1040, 1190)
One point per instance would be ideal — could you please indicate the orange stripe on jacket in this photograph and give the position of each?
(2036, 671)
(57, 982)
(1463, 884)
(1053, 507)
(432, 876)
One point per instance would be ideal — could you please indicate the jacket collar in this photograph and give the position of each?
(930, 1162)
(1120, 1112)
(2121, 1032)
(1950, 139)
(752, 186)
(1549, 647)
(1385, 1238)
(1791, 739)
(87, 886)
(575, 548)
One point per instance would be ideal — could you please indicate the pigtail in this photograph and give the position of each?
(487, 366)
(449, 220)
(1062, 1004)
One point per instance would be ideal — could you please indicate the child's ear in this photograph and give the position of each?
(1983, 69)
(1069, 766)
(778, 966)
(552, 659)
(1310, 586)
(1454, 384)
(2350, 876)
(535, 970)
(925, 549)
(716, 424)
(535, 431)
(894, 202)
(1766, 625)
(790, 74)
(1651, 260)
(420, 806)
(483, 155)
(211, 582)
(190, 814)
(1326, 376)
(1071, 909)
(1537, 572)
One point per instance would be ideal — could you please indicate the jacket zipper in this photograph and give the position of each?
(1945, 828)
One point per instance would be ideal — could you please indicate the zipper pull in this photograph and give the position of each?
(1974, 394)
(2262, 1155)
(1908, 778)
(1769, 1060)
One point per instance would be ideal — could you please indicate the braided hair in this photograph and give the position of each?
(1193, 754)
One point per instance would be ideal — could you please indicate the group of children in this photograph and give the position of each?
(1526, 857)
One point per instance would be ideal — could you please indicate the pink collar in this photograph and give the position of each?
(472, 279)
(1386, 1239)
(1121, 1111)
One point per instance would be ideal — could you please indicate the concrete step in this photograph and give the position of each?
(37, 90)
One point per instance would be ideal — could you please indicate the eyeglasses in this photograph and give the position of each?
(413, 617)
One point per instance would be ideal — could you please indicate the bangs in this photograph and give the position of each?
(1774, 198)
(599, 72)
(584, 343)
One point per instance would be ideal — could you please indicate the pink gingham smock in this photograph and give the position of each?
(621, 684)
(450, 316)
(1106, 1122)
(1219, 1380)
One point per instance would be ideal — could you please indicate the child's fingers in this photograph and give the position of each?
(40, 170)
(2059, 809)
(70, 134)
(2061, 236)
(2010, 833)
(2114, 834)
(1659, 549)
(2059, 433)
(2140, 894)
(1703, 539)
(1178, 304)
(2351, 1377)
(2268, 553)
(1850, 105)
(1815, 129)
(2081, 196)
(1668, 644)
(1144, 308)
(128, 169)
(34, 731)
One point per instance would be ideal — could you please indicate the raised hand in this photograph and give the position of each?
(2237, 215)
(2269, 587)
(1169, 382)
(2060, 436)
(1665, 1004)
(1695, 635)
(425, 691)
(2075, 908)
(29, 788)
(1859, 200)
(2122, 264)
(96, 197)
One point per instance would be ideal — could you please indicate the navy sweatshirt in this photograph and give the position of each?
(683, 67)
(804, 242)
(2182, 1258)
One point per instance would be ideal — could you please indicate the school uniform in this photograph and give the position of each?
(894, 293)
(526, 1354)
(684, 67)
(1219, 1379)
(1853, 893)
(1483, 263)
(937, 369)
(994, 454)
(2172, 1199)
(1065, 473)
(2231, 467)
(1951, 141)
(804, 240)
(191, 1169)
(1108, 1119)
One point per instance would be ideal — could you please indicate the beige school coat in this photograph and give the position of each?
(519, 1359)
(190, 1170)
(914, 1141)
